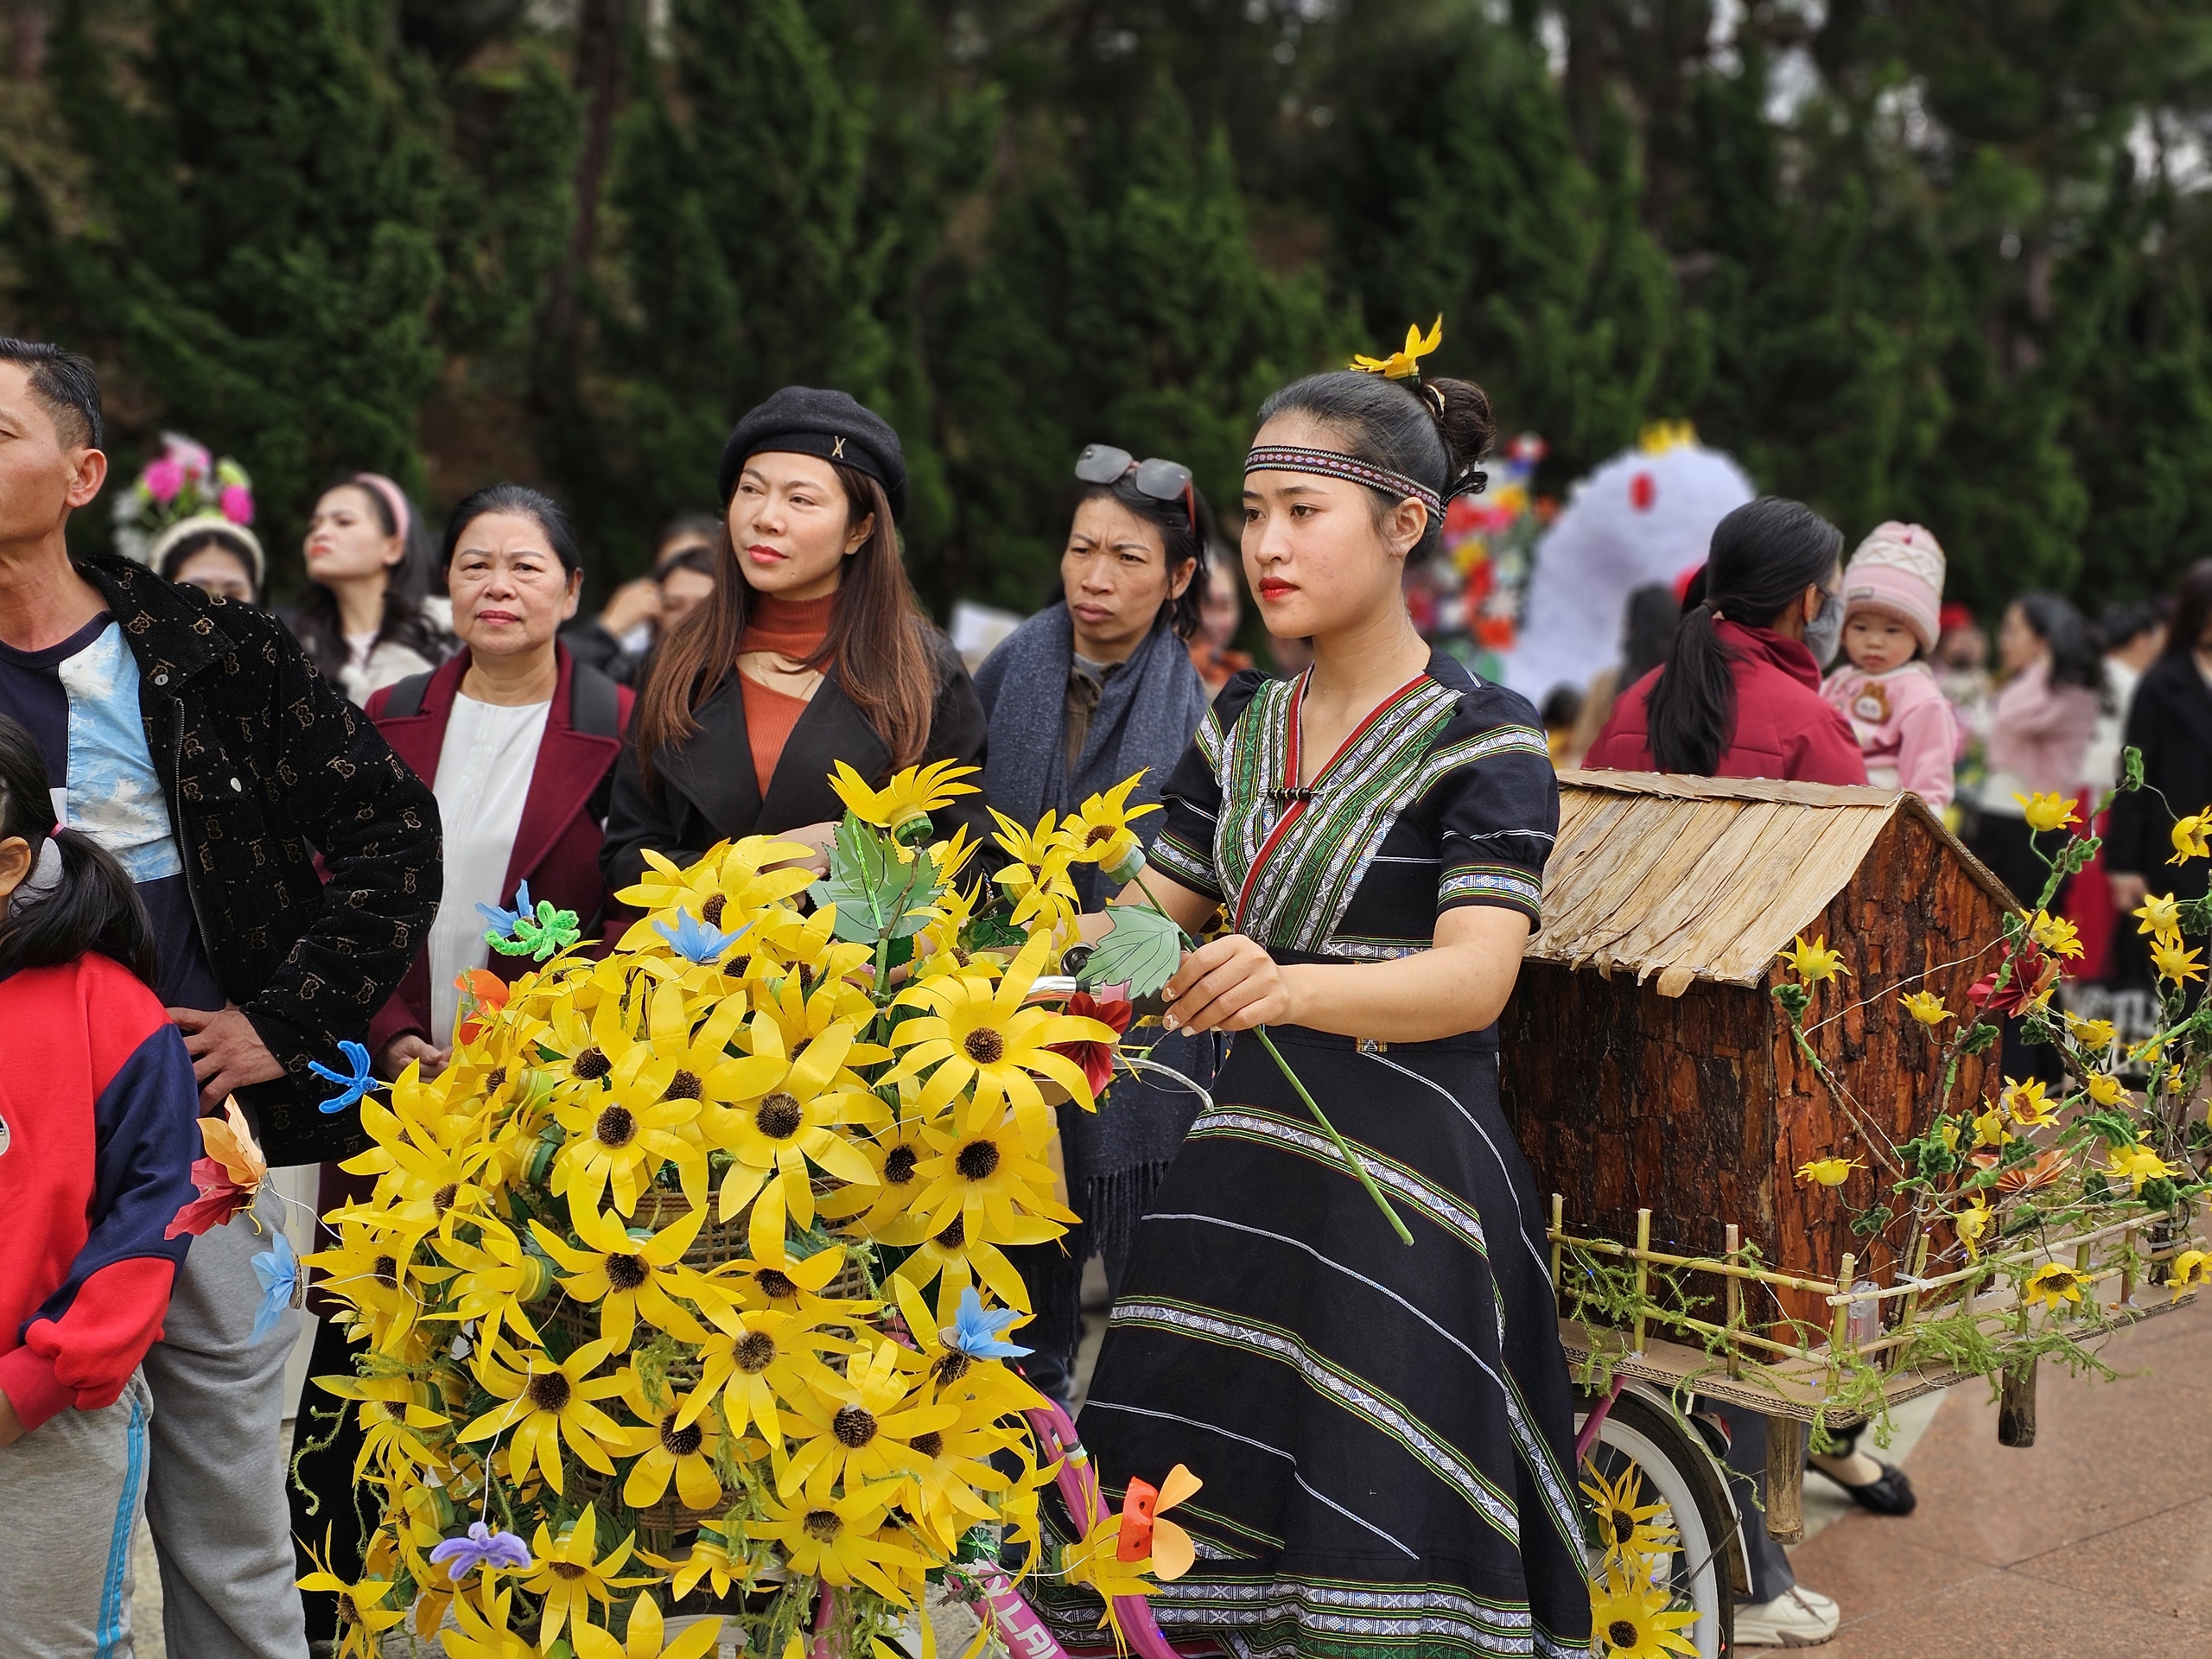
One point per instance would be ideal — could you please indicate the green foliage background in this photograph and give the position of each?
(1941, 259)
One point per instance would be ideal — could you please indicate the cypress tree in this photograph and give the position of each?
(256, 246)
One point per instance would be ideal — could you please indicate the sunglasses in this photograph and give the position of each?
(1163, 480)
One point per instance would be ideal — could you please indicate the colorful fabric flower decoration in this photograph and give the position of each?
(499, 1551)
(278, 1269)
(1096, 1059)
(228, 1177)
(980, 1332)
(696, 942)
(1144, 1533)
(352, 1084)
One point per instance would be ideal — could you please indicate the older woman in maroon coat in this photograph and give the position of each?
(518, 739)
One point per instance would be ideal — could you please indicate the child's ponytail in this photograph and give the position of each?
(76, 898)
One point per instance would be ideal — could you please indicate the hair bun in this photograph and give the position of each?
(1462, 413)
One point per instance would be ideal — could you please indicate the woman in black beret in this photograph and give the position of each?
(812, 650)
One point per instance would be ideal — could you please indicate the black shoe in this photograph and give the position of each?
(1892, 1495)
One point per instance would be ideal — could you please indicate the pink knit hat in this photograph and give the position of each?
(1898, 570)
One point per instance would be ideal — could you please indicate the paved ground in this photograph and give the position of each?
(2096, 1541)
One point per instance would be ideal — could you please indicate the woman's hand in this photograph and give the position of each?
(402, 1050)
(2127, 891)
(1232, 984)
(816, 836)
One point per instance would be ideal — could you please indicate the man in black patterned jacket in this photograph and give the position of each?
(191, 737)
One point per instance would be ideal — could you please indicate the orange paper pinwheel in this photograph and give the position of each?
(1143, 1532)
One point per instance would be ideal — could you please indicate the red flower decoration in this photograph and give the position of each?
(2033, 975)
(1096, 1059)
(220, 1197)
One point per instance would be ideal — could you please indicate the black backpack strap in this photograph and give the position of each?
(406, 697)
(594, 706)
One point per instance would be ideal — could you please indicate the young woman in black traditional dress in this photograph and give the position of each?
(1384, 1432)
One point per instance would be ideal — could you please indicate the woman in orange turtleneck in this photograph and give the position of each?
(812, 650)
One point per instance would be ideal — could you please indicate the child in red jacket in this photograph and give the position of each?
(98, 1129)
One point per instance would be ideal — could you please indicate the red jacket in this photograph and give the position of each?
(99, 1128)
(1784, 728)
(557, 849)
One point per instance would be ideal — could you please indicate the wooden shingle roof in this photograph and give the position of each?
(1692, 878)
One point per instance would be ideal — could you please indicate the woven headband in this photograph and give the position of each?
(1330, 463)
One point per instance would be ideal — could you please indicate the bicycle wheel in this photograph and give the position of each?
(1643, 1442)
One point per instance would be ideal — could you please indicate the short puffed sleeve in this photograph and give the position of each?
(1183, 850)
(1496, 807)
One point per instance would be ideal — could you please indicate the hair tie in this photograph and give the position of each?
(45, 876)
(395, 498)
(1434, 397)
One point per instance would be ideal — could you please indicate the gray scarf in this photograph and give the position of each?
(1147, 711)
(1147, 715)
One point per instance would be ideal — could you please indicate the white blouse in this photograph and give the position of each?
(484, 772)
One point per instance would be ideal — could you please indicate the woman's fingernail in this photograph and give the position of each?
(1170, 1021)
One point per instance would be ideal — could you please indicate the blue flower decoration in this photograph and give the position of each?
(978, 1332)
(503, 921)
(350, 1087)
(696, 941)
(482, 1547)
(278, 1269)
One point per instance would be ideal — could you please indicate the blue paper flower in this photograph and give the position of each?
(695, 940)
(482, 1547)
(350, 1087)
(503, 921)
(278, 1269)
(977, 1332)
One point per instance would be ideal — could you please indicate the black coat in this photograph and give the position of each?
(264, 765)
(2170, 721)
(706, 792)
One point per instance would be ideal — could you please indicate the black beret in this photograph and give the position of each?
(809, 420)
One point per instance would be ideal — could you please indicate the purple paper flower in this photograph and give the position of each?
(481, 1548)
(163, 478)
(236, 502)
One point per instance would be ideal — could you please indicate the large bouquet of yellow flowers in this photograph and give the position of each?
(689, 1270)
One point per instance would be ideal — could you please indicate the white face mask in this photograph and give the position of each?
(1825, 631)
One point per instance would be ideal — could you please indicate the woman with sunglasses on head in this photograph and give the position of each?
(1385, 1434)
(1091, 690)
(812, 650)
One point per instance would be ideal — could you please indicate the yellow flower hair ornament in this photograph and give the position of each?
(1404, 363)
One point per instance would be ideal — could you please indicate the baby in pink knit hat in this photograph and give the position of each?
(1893, 594)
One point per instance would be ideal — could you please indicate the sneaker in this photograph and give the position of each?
(1796, 1618)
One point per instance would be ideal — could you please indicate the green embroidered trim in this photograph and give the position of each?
(1508, 884)
(1295, 901)
(1256, 1126)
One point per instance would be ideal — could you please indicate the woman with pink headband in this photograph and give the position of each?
(365, 617)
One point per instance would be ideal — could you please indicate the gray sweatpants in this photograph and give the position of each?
(215, 1497)
(71, 1492)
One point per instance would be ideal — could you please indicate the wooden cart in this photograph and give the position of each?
(1666, 1106)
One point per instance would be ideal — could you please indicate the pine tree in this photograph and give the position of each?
(256, 247)
(1117, 299)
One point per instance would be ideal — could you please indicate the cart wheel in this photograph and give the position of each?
(1675, 1468)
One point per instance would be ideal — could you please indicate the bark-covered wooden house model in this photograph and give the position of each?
(1645, 1062)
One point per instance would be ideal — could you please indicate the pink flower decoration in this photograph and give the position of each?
(163, 478)
(236, 502)
(193, 458)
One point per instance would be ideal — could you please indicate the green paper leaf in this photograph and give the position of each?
(1143, 951)
(877, 895)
